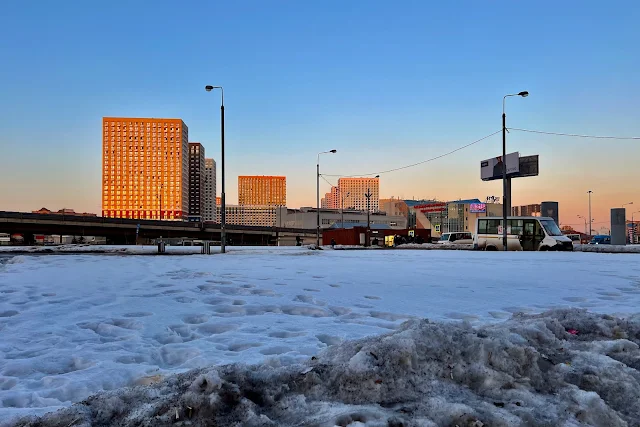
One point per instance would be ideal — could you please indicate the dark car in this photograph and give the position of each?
(600, 240)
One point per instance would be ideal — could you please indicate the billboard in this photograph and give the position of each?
(491, 169)
(529, 166)
(477, 208)
(431, 207)
(550, 209)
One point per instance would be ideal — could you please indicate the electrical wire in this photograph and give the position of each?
(419, 163)
(577, 135)
(327, 181)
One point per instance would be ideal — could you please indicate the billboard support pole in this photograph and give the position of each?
(504, 179)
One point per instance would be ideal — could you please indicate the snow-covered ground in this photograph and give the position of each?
(72, 325)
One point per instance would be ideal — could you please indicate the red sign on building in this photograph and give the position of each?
(431, 207)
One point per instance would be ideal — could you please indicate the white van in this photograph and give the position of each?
(527, 233)
(457, 237)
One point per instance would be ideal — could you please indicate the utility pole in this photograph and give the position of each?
(590, 220)
(506, 194)
(318, 195)
(342, 206)
(368, 196)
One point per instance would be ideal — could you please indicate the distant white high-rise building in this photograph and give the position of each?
(210, 190)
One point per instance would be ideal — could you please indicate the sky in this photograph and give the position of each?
(384, 84)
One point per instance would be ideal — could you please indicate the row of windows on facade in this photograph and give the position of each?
(141, 134)
(136, 123)
(146, 184)
(149, 129)
(123, 136)
(132, 165)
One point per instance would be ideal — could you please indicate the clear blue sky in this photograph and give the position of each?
(384, 83)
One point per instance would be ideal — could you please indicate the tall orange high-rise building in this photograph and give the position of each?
(262, 190)
(145, 168)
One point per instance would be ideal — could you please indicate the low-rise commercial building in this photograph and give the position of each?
(306, 218)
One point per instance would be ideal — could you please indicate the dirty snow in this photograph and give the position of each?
(73, 325)
(528, 371)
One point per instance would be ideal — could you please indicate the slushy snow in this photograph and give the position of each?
(75, 325)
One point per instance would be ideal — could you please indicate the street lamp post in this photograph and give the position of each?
(590, 220)
(223, 205)
(318, 195)
(523, 94)
(585, 223)
(368, 196)
(627, 204)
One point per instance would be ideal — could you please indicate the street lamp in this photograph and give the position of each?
(585, 223)
(223, 207)
(368, 196)
(523, 94)
(590, 220)
(627, 204)
(318, 195)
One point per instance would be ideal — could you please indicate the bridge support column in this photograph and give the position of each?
(206, 248)
(161, 247)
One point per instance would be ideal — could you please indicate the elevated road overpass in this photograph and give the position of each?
(125, 231)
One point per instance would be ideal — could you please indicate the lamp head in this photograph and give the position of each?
(333, 151)
(208, 88)
(524, 94)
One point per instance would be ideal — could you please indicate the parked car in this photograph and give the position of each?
(457, 237)
(575, 238)
(600, 240)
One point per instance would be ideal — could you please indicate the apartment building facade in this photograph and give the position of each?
(210, 190)
(264, 216)
(354, 190)
(145, 168)
(196, 182)
(262, 191)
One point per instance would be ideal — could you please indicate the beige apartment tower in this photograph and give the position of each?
(145, 168)
(353, 191)
(262, 191)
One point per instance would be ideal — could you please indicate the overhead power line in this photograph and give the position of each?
(628, 138)
(577, 135)
(326, 180)
(419, 163)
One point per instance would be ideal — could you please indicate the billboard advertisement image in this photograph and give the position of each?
(477, 208)
(491, 169)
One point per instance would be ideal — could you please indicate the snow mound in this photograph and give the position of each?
(559, 368)
(610, 249)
